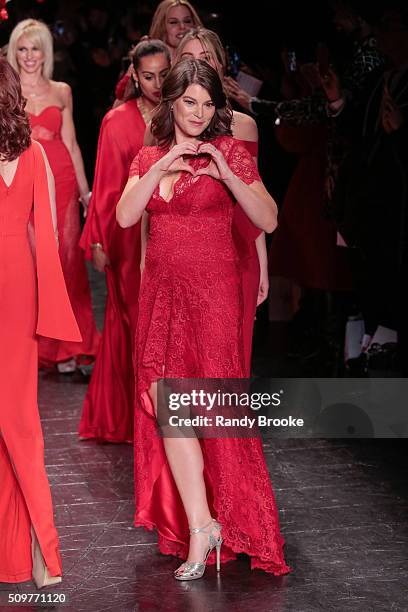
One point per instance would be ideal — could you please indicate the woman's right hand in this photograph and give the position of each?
(331, 85)
(100, 260)
(173, 160)
(234, 91)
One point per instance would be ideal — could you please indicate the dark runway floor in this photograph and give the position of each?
(343, 510)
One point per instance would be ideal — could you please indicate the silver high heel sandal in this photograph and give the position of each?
(196, 569)
(41, 576)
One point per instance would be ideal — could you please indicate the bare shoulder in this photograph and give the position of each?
(62, 91)
(244, 127)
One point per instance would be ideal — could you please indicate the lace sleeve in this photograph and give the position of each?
(135, 166)
(242, 164)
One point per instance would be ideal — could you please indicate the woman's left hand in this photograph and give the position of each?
(218, 167)
(84, 199)
(263, 286)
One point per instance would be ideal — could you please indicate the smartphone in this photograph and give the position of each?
(233, 61)
(59, 28)
(292, 62)
(322, 56)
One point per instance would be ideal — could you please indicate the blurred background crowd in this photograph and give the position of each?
(327, 83)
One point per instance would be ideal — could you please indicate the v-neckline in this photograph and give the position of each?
(9, 186)
(187, 179)
(173, 190)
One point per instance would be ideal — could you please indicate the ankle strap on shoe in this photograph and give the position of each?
(213, 522)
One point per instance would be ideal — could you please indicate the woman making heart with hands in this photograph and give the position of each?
(190, 326)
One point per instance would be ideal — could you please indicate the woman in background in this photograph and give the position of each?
(33, 300)
(204, 44)
(49, 104)
(171, 20)
(109, 404)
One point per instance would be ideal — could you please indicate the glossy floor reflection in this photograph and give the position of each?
(343, 509)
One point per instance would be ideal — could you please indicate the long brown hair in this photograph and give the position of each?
(15, 131)
(184, 73)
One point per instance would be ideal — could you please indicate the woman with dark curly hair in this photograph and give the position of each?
(33, 301)
(190, 326)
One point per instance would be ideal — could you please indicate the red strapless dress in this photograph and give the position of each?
(108, 409)
(190, 326)
(46, 128)
(33, 299)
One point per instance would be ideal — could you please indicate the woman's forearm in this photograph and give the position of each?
(136, 196)
(78, 163)
(260, 244)
(257, 203)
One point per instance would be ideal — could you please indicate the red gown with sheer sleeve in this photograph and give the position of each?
(107, 412)
(33, 301)
(244, 233)
(46, 128)
(190, 326)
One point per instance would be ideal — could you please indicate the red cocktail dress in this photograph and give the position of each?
(46, 128)
(190, 326)
(33, 299)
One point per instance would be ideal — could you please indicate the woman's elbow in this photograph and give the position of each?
(73, 147)
(271, 220)
(271, 225)
(122, 218)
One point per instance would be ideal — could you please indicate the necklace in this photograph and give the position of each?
(41, 84)
(146, 114)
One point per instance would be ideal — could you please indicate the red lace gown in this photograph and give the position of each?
(190, 325)
(244, 234)
(108, 408)
(33, 298)
(46, 129)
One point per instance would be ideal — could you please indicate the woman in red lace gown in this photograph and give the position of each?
(33, 300)
(108, 409)
(50, 110)
(203, 44)
(190, 325)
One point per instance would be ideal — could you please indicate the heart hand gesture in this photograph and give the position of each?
(173, 160)
(218, 167)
